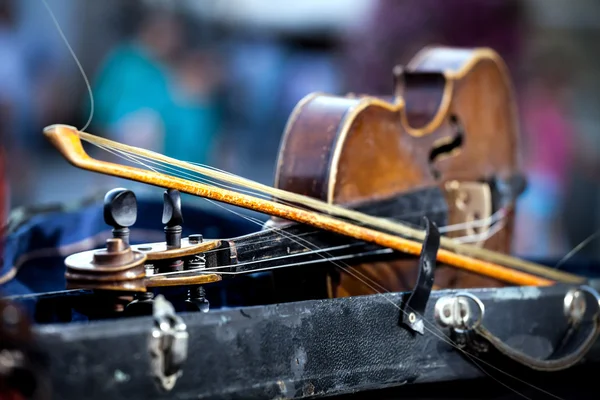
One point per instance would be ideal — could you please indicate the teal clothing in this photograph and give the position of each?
(191, 130)
(131, 80)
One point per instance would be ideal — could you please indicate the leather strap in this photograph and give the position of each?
(578, 339)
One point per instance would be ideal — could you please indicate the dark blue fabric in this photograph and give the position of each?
(56, 229)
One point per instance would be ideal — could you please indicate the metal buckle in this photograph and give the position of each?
(168, 344)
(455, 312)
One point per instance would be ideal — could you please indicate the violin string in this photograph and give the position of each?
(481, 236)
(83, 74)
(210, 270)
(12, 272)
(135, 159)
(576, 249)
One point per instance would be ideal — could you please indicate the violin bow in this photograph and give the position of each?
(68, 141)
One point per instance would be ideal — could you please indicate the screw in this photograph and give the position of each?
(195, 239)
(447, 312)
(574, 305)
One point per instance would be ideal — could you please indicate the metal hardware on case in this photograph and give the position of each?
(168, 344)
(24, 364)
(577, 341)
(455, 312)
(574, 305)
(415, 306)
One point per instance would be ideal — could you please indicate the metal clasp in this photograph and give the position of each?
(455, 312)
(168, 344)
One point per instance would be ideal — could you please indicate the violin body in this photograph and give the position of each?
(451, 118)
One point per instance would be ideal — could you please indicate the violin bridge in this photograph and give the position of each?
(469, 202)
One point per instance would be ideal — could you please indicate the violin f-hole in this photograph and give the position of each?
(448, 146)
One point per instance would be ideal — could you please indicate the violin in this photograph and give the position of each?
(451, 123)
(354, 176)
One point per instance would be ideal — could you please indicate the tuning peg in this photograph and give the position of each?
(120, 212)
(172, 218)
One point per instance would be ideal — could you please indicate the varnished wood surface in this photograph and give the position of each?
(348, 149)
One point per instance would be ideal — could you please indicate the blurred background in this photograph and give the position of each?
(214, 82)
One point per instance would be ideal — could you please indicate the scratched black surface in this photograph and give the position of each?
(304, 349)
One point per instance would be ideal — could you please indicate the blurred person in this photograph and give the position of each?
(195, 116)
(581, 209)
(34, 72)
(548, 138)
(15, 104)
(131, 91)
(255, 70)
(153, 93)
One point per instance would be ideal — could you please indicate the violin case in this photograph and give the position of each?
(250, 347)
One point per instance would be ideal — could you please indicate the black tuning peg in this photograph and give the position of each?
(120, 212)
(172, 218)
